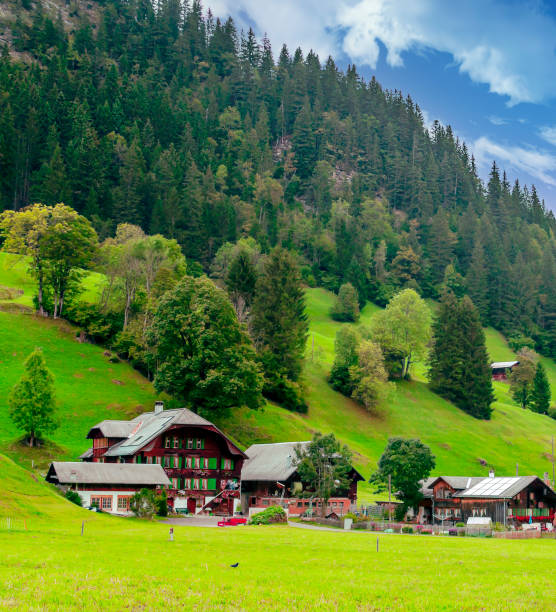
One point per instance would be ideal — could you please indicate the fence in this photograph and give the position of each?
(518, 535)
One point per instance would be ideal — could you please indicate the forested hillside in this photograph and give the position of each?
(159, 115)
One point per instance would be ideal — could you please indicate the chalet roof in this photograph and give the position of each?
(500, 365)
(270, 461)
(87, 454)
(480, 487)
(70, 472)
(274, 462)
(144, 428)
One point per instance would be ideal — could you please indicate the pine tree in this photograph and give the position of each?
(240, 282)
(459, 367)
(32, 400)
(540, 393)
(279, 321)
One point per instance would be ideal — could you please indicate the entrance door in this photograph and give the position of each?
(191, 505)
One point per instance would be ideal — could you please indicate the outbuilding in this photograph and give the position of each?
(108, 486)
(502, 369)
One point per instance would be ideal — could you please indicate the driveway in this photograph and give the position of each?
(194, 521)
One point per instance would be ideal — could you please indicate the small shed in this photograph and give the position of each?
(479, 525)
(501, 369)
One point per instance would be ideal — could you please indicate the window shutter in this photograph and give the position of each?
(231, 464)
(212, 463)
(211, 484)
(222, 462)
(138, 458)
(203, 443)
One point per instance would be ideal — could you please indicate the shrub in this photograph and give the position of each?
(74, 497)
(426, 531)
(143, 503)
(552, 412)
(346, 306)
(162, 504)
(272, 514)
(460, 524)
(286, 393)
(407, 529)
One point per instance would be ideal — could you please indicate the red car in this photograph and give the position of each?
(232, 522)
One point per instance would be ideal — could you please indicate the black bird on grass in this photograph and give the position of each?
(235, 564)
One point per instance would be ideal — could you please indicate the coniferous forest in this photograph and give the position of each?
(159, 115)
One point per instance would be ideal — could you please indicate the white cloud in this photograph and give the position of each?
(497, 120)
(534, 162)
(548, 133)
(509, 47)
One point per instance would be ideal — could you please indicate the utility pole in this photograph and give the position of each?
(517, 469)
(553, 481)
(390, 498)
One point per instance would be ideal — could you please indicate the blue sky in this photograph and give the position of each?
(486, 67)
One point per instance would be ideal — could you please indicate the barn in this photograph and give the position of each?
(108, 486)
(269, 477)
(502, 369)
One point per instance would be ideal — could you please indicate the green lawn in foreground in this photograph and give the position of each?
(129, 564)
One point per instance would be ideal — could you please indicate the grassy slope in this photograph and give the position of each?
(45, 563)
(87, 394)
(458, 441)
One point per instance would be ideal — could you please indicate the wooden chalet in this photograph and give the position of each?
(502, 369)
(108, 486)
(507, 500)
(269, 477)
(202, 464)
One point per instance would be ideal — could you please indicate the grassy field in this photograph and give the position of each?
(91, 388)
(118, 564)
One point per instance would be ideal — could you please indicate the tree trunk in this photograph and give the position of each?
(32, 439)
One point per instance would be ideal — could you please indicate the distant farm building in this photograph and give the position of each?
(269, 477)
(502, 369)
(108, 486)
(506, 500)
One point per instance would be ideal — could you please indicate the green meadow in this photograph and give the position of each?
(45, 563)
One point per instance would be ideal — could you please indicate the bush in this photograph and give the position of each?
(552, 412)
(346, 306)
(286, 393)
(426, 531)
(143, 503)
(273, 514)
(162, 504)
(74, 497)
(407, 529)
(460, 524)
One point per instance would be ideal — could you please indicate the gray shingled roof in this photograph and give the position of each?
(270, 462)
(144, 428)
(458, 483)
(503, 364)
(70, 472)
(87, 454)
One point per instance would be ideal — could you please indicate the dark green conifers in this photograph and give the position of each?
(459, 367)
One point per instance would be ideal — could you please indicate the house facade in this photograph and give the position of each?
(203, 466)
(507, 500)
(108, 486)
(269, 477)
(502, 369)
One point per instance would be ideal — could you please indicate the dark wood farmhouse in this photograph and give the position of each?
(108, 486)
(269, 477)
(202, 464)
(502, 369)
(507, 500)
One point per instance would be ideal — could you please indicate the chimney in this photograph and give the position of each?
(491, 473)
(158, 407)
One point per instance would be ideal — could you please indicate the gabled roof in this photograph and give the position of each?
(503, 364)
(77, 472)
(270, 462)
(87, 454)
(274, 462)
(497, 487)
(144, 428)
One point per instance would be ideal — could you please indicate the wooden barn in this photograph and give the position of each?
(202, 464)
(108, 486)
(507, 500)
(502, 369)
(269, 477)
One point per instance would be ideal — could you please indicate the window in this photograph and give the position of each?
(103, 502)
(167, 441)
(197, 461)
(195, 483)
(299, 504)
(123, 502)
(227, 464)
(265, 502)
(175, 483)
(200, 443)
(187, 483)
(159, 460)
(189, 442)
(176, 442)
(204, 483)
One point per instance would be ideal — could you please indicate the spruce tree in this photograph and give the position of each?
(459, 363)
(540, 393)
(32, 400)
(279, 322)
